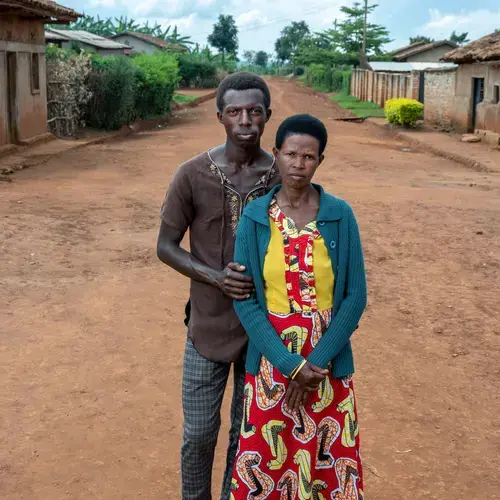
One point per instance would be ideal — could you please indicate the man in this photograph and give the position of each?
(207, 195)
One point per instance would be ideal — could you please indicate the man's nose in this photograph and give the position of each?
(245, 118)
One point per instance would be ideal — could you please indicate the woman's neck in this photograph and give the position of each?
(295, 198)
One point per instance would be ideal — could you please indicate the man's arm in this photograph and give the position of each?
(230, 281)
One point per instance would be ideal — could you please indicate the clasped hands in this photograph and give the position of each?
(307, 380)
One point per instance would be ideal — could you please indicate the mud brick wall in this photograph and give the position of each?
(439, 96)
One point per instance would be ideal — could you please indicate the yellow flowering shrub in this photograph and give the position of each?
(403, 112)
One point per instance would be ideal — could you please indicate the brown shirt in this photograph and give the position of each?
(202, 199)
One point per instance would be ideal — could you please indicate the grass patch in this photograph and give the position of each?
(180, 98)
(357, 107)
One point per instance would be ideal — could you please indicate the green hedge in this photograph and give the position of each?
(125, 89)
(194, 71)
(403, 112)
(324, 78)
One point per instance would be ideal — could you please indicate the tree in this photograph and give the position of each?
(420, 38)
(459, 39)
(347, 35)
(249, 57)
(291, 36)
(261, 59)
(224, 37)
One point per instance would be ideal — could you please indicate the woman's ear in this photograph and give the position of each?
(276, 152)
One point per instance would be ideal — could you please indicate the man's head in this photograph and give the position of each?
(244, 107)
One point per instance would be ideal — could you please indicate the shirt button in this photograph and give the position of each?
(333, 244)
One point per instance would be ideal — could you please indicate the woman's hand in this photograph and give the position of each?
(295, 396)
(310, 376)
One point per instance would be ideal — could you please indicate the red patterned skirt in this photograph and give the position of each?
(308, 454)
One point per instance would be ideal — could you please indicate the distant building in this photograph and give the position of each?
(67, 39)
(476, 86)
(23, 97)
(146, 44)
(423, 52)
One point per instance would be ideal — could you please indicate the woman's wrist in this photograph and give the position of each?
(297, 369)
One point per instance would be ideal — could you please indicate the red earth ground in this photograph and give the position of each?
(92, 332)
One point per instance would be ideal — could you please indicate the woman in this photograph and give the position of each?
(299, 435)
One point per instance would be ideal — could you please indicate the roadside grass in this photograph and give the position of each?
(180, 98)
(359, 108)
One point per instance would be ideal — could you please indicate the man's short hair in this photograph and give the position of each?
(302, 125)
(242, 81)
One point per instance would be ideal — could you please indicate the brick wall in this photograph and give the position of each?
(379, 87)
(439, 95)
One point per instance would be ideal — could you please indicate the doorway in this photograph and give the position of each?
(477, 98)
(12, 97)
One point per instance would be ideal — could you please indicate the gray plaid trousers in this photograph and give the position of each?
(203, 386)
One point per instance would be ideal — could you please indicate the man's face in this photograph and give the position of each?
(244, 116)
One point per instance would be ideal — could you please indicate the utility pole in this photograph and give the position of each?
(364, 30)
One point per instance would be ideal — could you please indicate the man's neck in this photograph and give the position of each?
(240, 158)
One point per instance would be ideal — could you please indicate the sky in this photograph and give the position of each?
(260, 21)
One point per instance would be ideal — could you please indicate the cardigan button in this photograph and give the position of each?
(322, 223)
(333, 244)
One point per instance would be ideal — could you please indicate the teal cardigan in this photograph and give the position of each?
(338, 227)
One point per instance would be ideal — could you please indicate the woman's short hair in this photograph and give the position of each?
(243, 80)
(302, 125)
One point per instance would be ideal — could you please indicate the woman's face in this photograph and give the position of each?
(298, 160)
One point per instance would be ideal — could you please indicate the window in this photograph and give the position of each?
(481, 89)
(35, 73)
(496, 94)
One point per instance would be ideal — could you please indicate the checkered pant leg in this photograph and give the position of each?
(203, 386)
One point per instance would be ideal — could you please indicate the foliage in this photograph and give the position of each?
(359, 108)
(113, 84)
(181, 98)
(67, 90)
(156, 81)
(342, 44)
(198, 70)
(420, 38)
(286, 45)
(403, 112)
(125, 89)
(347, 35)
(459, 39)
(109, 27)
(327, 79)
(249, 57)
(261, 59)
(224, 37)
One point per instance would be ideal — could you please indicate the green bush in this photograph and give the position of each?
(155, 84)
(112, 82)
(198, 72)
(324, 78)
(404, 112)
(125, 89)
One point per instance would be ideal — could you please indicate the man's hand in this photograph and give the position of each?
(310, 376)
(234, 283)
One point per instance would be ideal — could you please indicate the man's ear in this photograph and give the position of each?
(269, 113)
(321, 158)
(219, 116)
(275, 152)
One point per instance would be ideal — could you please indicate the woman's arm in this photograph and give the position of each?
(351, 309)
(253, 317)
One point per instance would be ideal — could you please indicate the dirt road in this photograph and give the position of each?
(91, 332)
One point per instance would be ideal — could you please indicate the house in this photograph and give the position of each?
(143, 43)
(476, 86)
(384, 80)
(23, 98)
(88, 41)
(423, 52)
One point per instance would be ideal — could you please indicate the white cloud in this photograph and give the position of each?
(477, 23)
(107, 4)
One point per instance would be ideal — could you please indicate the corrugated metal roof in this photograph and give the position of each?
(50, 35)
(406, 67)
(88, 38)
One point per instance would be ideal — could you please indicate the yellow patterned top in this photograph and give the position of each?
(274, 270)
